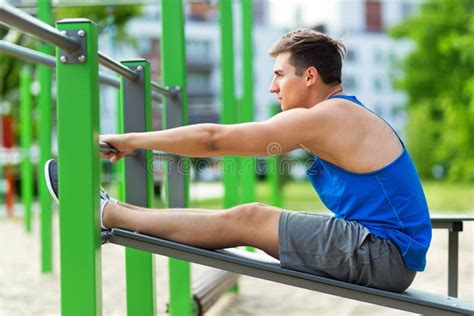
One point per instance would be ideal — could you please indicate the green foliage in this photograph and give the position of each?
(439, 81)
(443, 197)
(102, 15)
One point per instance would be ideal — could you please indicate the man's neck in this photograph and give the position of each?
(325, 93)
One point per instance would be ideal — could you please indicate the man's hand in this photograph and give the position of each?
(120, 142)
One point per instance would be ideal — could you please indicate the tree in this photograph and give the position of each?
(439, 81)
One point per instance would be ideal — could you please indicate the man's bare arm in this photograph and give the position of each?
(282, 133)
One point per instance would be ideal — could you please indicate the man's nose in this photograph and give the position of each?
(273, 87)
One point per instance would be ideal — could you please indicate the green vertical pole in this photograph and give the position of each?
(248, 164)
(44, 137)
(247, 108)
(174, 74)
(26, 135)
(79, 170)
(273, 173)
(136, 117)
(119, 167)
(229, 113)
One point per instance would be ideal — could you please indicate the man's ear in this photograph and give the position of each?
(311, 75)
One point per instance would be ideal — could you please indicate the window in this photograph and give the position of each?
(198, 81)
(373, 16)
(196, 49)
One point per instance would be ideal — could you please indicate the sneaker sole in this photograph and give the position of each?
(48, 180)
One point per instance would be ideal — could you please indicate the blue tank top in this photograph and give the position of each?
(390, 201)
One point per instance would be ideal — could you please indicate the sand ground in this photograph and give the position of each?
(25, 291)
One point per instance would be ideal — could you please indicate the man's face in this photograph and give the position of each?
(291, 89)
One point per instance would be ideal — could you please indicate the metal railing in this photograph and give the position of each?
(32, 56)
(14, 17)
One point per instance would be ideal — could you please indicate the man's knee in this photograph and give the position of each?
(253, 224)
(246, 214)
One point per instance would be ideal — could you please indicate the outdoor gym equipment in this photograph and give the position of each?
(77, 84)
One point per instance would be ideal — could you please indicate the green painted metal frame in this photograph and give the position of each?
(174, 74)
(229, 110)
(248, 164)
(26, 137)
(273, 172)
(45, 139)
(79, 170)
(136, 98)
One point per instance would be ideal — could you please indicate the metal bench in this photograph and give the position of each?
(265, 267)
(454, 223)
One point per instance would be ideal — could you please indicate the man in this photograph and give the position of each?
(361, 171)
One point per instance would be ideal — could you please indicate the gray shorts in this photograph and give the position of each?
(342, 250)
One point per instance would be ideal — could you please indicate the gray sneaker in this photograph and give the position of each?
(51, 176)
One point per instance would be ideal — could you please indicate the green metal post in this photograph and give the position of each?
(119, 167)
(79, 170)
(273, 173)
(247, 108)
(174, 74)
(26, 135)
(136, 117)
(229, 112)
(248, 164)
(44, 137)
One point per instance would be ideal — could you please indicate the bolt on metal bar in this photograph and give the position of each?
(166, 91)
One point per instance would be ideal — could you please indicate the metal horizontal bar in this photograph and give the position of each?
(250, 264)
(26, 23)
(29, 24)
(113, 65)
(106, 148)
(32, 56)
(166, 91)
(27, 54)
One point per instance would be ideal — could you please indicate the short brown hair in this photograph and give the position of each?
(311, 48)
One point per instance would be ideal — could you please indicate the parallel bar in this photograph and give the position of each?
(117, 67)
(255, 265)
(166, 91)
(138, 184)
(33, 56)
(27, 54)
(78, 101)
(453, 263)
(26, 136)
(25, 22)
(175, 113)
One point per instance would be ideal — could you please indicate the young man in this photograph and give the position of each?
(361, 171)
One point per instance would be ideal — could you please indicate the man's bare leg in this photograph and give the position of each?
(191, 210)
(244, 225)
